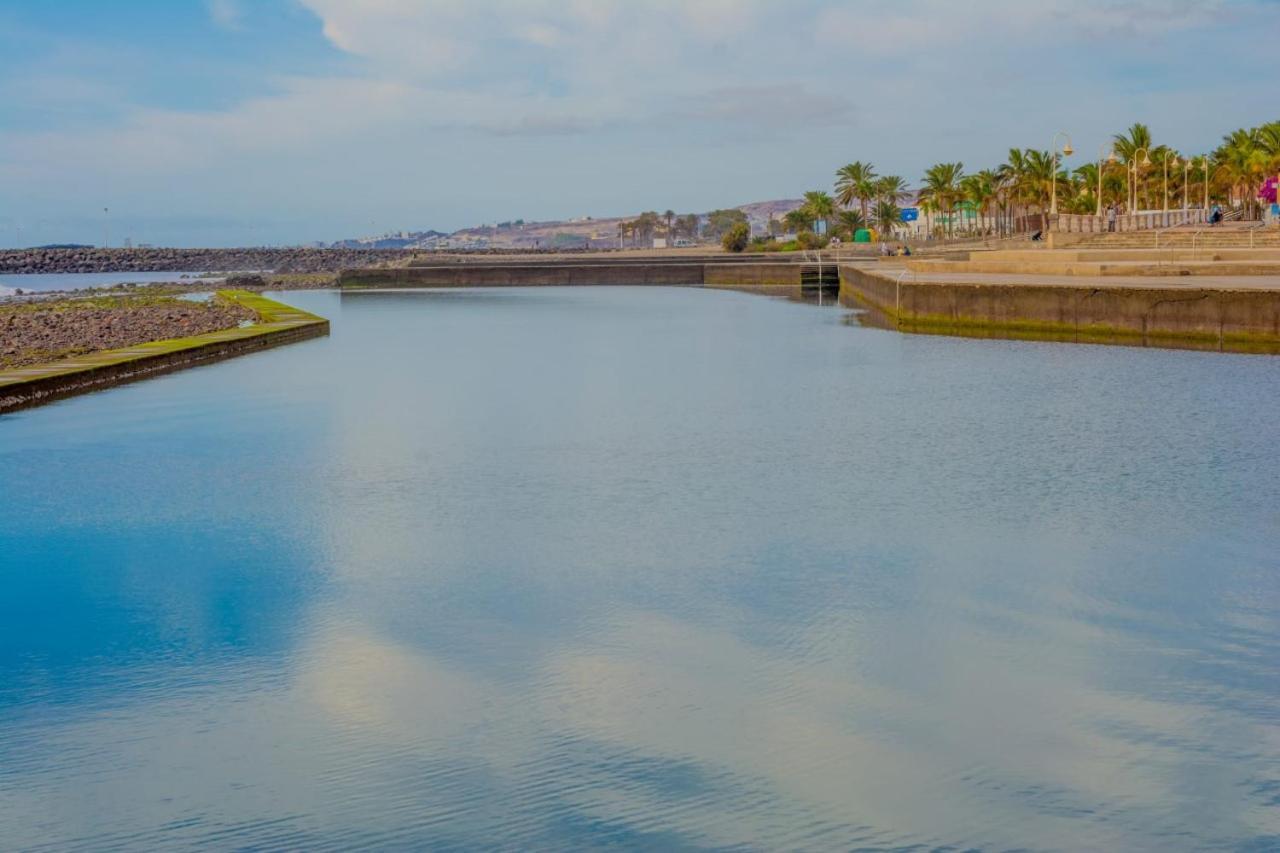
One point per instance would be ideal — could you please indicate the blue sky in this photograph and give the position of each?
(224, 122)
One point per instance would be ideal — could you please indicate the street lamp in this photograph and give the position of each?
(1133, 170)
(1176, 161)
(1186, 181)
(1067, 151)
(1205, 162)
(1110, 159)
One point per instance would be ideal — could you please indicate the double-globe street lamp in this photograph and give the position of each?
(1110, 160)
(1176, 163)
(1133, 175)
(1067, 151)
(1204, 161)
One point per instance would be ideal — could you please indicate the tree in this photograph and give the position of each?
(645, 225)
(942, 187)
(820, 206)
(798, 221)
(888, 216)
(737, 237)
(688, 225)
(720, 221)
(670, 217)
(849, 221)
(890, 188)
(856, 182)
(979, 189)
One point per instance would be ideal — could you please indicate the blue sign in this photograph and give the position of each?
(910, 214)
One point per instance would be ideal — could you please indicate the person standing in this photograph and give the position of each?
(1111, 217)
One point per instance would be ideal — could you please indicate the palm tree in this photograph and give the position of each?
(1128, 144)
(850, 221)
(891, 188)
(856, 182)
(887, 217)
(980, 190)
(798, 221)
(688, 225)
(820, 206)
(670, 217)
(942, 187)
(1245, 159)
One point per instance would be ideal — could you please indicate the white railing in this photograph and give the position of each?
(1076, 223)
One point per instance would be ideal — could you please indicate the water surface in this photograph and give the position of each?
(662, 568)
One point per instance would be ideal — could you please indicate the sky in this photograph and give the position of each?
(238, 122)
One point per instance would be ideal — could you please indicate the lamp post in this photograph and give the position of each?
(106, 228)
(1176, 161)
(1133, 169)
(1110, 158)
(1186, 181)
(1205, 163)
(1067, 151)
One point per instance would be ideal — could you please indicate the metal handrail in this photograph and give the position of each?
(1195, 256)
(1253, 229)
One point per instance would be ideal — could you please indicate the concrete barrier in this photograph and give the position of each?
(1236, 319)
(523, 275)
(579, 272)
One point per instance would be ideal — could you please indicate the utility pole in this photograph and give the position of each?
(106, 228)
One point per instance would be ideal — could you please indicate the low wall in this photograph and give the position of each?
(744, 275)
(280, 324)
(1085, 312)
(1052, 266)
(527, 275)
(720, 274)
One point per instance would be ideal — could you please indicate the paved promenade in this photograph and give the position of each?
(1172, 282)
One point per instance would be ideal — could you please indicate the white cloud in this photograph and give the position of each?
(740, 98)
(225, 13)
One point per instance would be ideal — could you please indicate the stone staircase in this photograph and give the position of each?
(1222, 237)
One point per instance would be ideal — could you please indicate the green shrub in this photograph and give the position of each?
(737, 237)
(809, 240)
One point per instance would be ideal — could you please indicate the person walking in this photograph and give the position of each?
(1111, 217)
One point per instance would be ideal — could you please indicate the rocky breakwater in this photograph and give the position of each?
(41, 332)
(86, 260)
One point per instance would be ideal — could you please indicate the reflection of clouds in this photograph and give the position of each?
(1027, 749)
(357, 680)
(646, 723)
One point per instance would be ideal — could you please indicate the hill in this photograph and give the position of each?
(583, 232)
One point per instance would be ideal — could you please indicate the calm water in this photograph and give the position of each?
(645, 568)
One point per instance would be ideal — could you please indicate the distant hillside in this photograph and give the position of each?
(589, 232)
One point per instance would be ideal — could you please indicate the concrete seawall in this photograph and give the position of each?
(669, 273)
(280, 324)
(1244, 319)
(523, 275)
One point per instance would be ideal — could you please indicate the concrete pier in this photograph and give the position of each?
(1223, 312)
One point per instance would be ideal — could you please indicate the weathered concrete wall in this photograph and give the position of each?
(1087, 312)
(531, 275)
(751, 275)
(281, 324)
